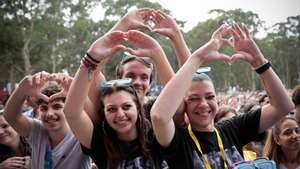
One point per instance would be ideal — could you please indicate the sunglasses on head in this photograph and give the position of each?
(117, 82)
(259, 163)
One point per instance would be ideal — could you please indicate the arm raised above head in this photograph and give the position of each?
(146, 46)
(30, 86)
(247, 50)
(78, 119)
(174, 92)
(167, 26)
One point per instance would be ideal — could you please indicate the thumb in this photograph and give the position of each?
(43, 97)
(224, 57)
(160, 31)
(118, 48)
(143, 27)
(240, 56)
(132, 51)
(58, 95)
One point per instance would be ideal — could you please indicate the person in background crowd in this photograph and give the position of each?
(14, 150)
(250, 150)
(224, 113)
(283, 144)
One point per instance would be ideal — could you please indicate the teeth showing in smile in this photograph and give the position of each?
(202, 113)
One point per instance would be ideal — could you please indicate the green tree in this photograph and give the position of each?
(238, 73)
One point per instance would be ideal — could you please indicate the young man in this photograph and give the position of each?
(53, 143)
(137, 67)
(205, 144)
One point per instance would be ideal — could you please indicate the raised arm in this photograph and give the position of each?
(172, 95)
(79, 121)
(167, 26)
(134, 19)
(280, 103)
(30, 86)
(145, 46)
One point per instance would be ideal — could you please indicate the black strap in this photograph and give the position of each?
(263, 68)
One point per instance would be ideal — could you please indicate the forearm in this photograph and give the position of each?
(92, 103)
(14, 106)
(13, 114)
(181, 49)
(173, 93)
(179, 117)
(77, 94)
(78, 120)
(163, 67)
(277, 93)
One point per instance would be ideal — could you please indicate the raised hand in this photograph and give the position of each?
(135, 19)
(245, 46)
(164, 24)
(31, 85)
(143, 43)
(209, 52)
(107, 45)
(63, 80)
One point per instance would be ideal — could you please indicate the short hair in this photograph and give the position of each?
(49, 89)
(129, 58)
(296, 95)
(201, 77)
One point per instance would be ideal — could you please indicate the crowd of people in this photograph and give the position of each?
(87, 121)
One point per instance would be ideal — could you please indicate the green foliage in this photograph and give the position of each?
(59, 32)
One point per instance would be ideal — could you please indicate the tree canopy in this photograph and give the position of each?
(53, 35)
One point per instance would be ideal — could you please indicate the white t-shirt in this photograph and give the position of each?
(67, 154)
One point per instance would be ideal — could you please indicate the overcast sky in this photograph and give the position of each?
(193, 11)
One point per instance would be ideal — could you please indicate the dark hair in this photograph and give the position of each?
(223, 110)
(143, 60)
(262, 97)
(6, 152)
(111, 142)
(272, 150)
(296, 95)
(50, 89)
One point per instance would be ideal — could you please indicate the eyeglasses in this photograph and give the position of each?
(259, 163)
(117, 82)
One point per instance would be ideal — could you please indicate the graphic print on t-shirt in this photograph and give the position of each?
(215, 159)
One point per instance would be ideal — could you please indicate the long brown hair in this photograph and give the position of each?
(7, 152)
(272, 150)
(111, 141)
